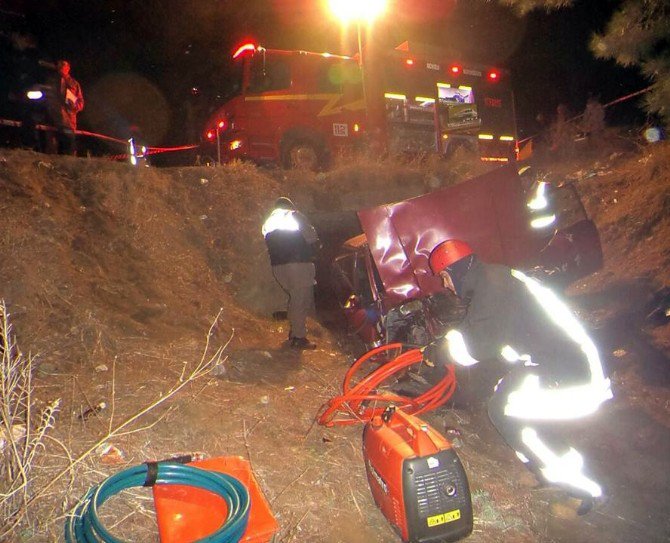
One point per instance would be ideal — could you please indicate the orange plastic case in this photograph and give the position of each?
(186, 514)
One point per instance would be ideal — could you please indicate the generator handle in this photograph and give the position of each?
(423, 439)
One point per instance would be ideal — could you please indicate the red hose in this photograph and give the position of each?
(352, 404)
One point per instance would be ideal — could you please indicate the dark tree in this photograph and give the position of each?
(638, 34)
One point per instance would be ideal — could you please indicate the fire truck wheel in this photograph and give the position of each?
(303, 154)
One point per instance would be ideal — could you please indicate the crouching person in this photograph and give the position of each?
(554, 373)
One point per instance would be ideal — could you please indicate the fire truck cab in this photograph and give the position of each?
(299, 108)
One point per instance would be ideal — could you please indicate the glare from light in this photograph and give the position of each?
(653, 134)
(543, 222)
(539, 200)
(280, 219)
(356, 10)
(35, 95)
(458, 350)
(565, 469)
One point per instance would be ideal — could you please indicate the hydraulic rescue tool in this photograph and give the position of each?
(416, 479)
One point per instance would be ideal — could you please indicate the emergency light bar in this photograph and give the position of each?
(243, 49)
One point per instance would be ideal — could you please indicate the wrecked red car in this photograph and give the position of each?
(385, 286)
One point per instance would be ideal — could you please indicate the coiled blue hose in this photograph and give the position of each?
(84, 526)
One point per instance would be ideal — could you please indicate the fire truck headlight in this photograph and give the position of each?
(235, 144)
(34, 95)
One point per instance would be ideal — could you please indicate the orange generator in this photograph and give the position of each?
(416, 479)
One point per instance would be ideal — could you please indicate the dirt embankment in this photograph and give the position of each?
(105, 264)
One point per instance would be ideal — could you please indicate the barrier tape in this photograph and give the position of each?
(125, 156)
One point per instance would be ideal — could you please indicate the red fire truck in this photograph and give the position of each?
(300, 108)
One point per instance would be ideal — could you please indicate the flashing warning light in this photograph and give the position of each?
(455, 69)
(494, 159)
(493, 75)
(210, 134)
(221, 125)
(409, 61)
(243, 49)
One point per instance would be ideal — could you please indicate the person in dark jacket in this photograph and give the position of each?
(554, 375)
(292, 244)
(66, 100)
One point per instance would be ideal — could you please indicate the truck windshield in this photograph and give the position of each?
(268, 74)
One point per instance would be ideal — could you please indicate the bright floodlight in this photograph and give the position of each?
(357, 10)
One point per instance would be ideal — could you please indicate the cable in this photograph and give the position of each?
(84, 525)
(353, 406)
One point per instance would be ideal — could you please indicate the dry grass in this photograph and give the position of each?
(26, 445)
(24, 427)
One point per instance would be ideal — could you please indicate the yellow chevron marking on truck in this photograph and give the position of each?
(332, 106)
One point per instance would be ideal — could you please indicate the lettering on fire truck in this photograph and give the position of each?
(340, 129)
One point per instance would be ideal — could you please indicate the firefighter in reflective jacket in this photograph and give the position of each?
(292, 243)
(555, 372)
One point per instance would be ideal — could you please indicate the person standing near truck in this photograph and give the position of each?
(292, 244)
(66, 100)
(554, 375)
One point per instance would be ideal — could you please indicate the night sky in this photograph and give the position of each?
(138, 61)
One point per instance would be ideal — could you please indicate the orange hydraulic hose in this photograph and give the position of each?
(358, 403)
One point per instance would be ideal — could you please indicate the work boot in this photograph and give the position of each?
(302, 343)
(574, 506)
